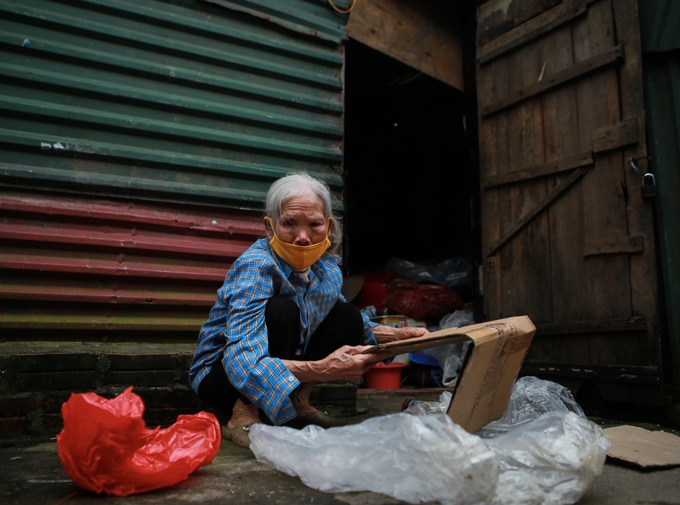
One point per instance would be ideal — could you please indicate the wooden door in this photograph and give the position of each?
(567, 235)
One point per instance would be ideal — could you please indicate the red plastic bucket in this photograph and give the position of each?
(383, 376)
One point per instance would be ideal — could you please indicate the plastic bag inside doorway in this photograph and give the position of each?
(427, 292)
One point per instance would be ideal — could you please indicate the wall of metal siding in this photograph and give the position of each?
(79, 267)
(661, 64)
(308, 16)
(137, 141)
(662, 101)
(659, 21)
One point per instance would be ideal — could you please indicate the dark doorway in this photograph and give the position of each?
(409, 175)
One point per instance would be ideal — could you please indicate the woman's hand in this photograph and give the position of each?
(389, 333)
(347, 363)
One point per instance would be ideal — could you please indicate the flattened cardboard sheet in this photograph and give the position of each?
(489, 371)
(644, 448)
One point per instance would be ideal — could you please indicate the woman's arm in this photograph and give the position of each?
(347, 363)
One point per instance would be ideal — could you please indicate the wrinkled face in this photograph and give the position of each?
(302, 221)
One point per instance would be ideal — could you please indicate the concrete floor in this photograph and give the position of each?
(30, 473)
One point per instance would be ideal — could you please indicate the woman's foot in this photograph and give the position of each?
(239, 436)
(308, 414)
(237, 429)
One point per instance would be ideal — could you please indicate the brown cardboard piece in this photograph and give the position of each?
(489, 371)
(644, 448)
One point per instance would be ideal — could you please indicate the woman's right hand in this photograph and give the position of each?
(349, 363)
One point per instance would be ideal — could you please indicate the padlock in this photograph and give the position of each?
(649, 189)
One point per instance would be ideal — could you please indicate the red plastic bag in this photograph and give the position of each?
(422, 301)
(106, 447)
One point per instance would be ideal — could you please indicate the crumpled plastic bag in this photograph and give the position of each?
(456, 319)
(421, 301)
(411, 458)
(454, 273)
(550, 460)
(420, 407)
(452, 356)
(530, 398)
(106, 447)
(543, 453)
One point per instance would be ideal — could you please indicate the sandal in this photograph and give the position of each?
(239, 436)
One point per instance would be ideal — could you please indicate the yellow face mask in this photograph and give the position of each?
(299, 256)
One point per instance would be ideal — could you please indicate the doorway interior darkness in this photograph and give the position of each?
(409, 177)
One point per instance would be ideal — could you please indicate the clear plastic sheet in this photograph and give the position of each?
(456, 319)
(542, 451)
(550, 460)
(419, 407)
(411, 458)
(532, 397)
(451, 357)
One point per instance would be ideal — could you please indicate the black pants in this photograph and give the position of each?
(342, 326)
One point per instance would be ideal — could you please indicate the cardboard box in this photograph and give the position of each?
(489, 370)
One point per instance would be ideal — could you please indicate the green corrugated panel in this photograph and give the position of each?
(662, 102)
(168, 100)
(310, 17)
(659, 21)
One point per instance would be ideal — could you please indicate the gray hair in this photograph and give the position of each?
(300, 184)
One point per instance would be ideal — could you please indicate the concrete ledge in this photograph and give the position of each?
(36, 378)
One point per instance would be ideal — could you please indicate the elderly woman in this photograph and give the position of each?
(280, 323)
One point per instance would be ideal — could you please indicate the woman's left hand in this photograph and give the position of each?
(390, 333)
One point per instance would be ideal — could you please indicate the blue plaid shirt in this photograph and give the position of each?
(236, 334)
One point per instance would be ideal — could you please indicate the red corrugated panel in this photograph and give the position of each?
(81, 263)
(113, 237)
(188, 217)
(91, 263)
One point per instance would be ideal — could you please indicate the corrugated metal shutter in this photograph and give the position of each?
(137, 141)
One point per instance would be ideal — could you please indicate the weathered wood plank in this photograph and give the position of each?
(624, 245)
(623, 133)
(423, 35)
(561, 134)
(556, 192)
(631, 374)
(643, 276)
(637, 323)
(523, 259)
(577, 71)
(495, 17)
(608, 342)
(492, 288)
(494, 155)
(553, 167)
(532, 29)
(605, 278)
